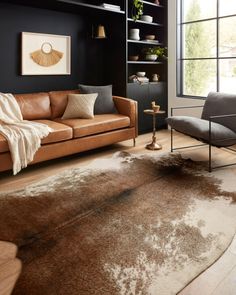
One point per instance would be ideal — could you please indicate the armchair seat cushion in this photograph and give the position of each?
(198, 128)
(99, 124)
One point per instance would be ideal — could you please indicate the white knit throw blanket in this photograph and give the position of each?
(23, 137)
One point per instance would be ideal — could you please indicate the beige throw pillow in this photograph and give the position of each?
(80, 106)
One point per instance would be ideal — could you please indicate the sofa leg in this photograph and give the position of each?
(134, 142)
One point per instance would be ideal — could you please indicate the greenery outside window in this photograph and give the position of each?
(206, 53)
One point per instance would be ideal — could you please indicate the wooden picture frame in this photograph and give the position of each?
(45, 54)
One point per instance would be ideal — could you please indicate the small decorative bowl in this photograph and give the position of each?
(151, 57)
(150, 37)
(133, 57)
(141, 74)
(147, 18)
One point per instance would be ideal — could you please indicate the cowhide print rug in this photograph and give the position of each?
(125, 225)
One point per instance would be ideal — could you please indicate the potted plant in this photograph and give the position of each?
(137, 9)
(152, 53)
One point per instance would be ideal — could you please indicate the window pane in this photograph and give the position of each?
(199, 77)
(228, 36)
(227, 7)
(228, 75)
(199, 39)
(198, 9)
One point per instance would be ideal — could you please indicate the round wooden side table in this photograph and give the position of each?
(154, 145)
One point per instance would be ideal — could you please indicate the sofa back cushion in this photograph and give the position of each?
(59, 101)
(221, 104)
(34, 105)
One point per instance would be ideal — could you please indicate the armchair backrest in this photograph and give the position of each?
(218, 104)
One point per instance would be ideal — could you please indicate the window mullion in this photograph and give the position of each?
(217, 47)
(186, 70)
(181, 48)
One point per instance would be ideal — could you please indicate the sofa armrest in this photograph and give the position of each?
(128, 107)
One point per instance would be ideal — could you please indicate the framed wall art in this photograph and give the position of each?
(45, 54)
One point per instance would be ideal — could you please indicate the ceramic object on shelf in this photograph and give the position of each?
(155, 77)
(151, 57)
(150, 37)
(134, 34)
(133, 57)
(147, 18)
(141, 74)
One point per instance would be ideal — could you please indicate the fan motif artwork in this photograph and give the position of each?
(46, 56)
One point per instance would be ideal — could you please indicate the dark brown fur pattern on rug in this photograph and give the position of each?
(125, 225)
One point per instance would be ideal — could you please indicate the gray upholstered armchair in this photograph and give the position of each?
(217, 126)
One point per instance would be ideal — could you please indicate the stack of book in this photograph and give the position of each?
(140, 80)
(110, 6)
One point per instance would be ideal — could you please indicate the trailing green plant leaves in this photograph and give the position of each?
(161, 52)
(137, 9)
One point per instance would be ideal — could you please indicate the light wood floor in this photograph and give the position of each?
(220, 278)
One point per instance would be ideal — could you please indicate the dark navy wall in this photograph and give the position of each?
(87, 54)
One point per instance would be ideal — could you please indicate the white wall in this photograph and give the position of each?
(174, 101)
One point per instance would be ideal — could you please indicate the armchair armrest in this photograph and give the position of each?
(128, 107)
(222, 116)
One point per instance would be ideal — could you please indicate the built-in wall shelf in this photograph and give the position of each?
(146, 23)
(91, 6)
(145, 42)
(145, 62)
(145, 93)
(153, 4)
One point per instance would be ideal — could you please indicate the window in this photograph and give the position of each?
(206, 55)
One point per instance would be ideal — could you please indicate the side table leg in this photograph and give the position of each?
(154, 145)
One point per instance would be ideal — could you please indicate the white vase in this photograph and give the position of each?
(155, 77)
(134, 34)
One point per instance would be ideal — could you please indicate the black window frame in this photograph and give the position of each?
(179, 50)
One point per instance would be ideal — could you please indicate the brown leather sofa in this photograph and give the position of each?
(72, 135)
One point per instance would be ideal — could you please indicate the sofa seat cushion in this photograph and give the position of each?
(60, 133)
(99, 124)
(198, 128)
(3, 144)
